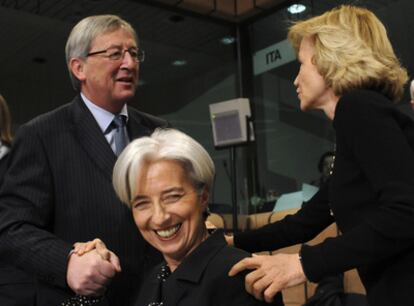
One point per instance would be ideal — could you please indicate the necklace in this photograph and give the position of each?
(332, 163)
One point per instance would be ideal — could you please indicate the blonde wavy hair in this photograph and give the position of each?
(352, 50)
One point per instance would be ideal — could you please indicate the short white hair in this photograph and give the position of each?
(163, 144)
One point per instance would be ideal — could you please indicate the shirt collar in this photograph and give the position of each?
(102, 116)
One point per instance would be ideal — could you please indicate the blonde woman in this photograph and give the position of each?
(349, 71)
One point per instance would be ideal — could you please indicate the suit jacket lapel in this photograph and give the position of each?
(192, 269)
(173, 297)
(91, 138)
(152, 292)
(135, 127)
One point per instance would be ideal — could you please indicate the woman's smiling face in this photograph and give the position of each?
(168, 210)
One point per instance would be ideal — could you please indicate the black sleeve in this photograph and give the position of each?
(387, 160)
(309, 221)
(26, 211)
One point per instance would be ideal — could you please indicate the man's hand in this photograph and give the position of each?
(271, 274)
(90, 273)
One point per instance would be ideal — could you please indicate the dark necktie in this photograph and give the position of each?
(120, 137)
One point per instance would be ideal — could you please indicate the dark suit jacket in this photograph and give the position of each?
(202, 280)
(58, 190)
(16, 287)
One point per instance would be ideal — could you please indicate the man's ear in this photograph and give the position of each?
(77, 67)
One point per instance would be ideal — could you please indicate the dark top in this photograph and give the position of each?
(371, 198)
(58, 190)
(201, 279)
(9, 274)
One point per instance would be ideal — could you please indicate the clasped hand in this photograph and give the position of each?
(270, 274)
(91, 267)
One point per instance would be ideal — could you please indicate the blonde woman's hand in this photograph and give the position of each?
(270, 275)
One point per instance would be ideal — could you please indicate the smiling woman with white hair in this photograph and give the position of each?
(167, 144)
(165, 179)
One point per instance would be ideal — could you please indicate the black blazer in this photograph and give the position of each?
(58, 190)
(202, 280)
(16, 286)
(370, 196)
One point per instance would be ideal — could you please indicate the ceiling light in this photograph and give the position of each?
(296, 8)
(179, 63)
(228, 40)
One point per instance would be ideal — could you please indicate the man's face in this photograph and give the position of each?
(106, 82)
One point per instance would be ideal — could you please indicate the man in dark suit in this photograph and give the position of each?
(58, 190)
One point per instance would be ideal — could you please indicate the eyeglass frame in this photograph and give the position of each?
(139, 58)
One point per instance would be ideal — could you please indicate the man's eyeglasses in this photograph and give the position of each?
(115, 53)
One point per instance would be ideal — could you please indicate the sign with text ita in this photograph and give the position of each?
(273, 56)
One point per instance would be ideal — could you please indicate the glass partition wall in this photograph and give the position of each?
(289, 141)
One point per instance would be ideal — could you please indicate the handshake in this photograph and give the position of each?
(91, 267)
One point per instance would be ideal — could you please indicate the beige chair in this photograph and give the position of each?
(258, 220)
(241, 221)
(279, 215)
(352, 282)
